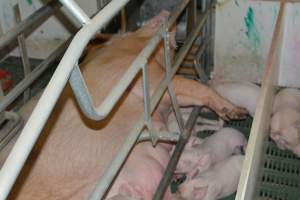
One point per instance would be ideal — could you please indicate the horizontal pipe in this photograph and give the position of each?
(110, 173)
(183, 138)
(163, 136)
(38, 16)
(28, 137)
(76, 11)
(32, 76)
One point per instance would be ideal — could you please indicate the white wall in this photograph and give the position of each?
(49, 35)
(243, 35)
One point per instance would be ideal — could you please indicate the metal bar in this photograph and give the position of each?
(110, 173)
(183, 138)
(102, 3)
(192, 15)
(123, 20)
(18, 89)
(167, 58)
(203, 32)
(36, 18)
(76, 11)
(212, 35)
(81, 91)
(147, 112)
(13, 128)
(2, 116)
(199, 68)
(23, 51)
(16, 159)
(162, 136)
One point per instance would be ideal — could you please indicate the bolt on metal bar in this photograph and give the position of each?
(18, 89)
(23, 51)
(183, 138)
(110, 173)
(76, 11)
(39, 16)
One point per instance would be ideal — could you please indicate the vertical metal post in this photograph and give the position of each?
(123, 20)
(31, 22)
(199, 54)
(1, 30)
(23, 51)
(167, 58)
(212, 35)
(2, 115)
(192, 15)
(99, 4)
(147, 107)
(183, 138)
(203, 34)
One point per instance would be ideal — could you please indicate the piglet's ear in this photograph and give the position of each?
(193, 142)
(275, 135)
(156, 21)
(200, 192)
(296, 150)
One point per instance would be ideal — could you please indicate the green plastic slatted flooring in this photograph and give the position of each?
(280, 172)
(280, 178)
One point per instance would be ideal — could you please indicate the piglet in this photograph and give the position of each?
(218, 182)
(285, 121)
(199, 154)
(240, 93)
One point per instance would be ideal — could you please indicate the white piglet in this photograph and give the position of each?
(218, 182)
(199, 154)
(285, 121)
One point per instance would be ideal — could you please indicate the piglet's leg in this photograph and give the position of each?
(190, 92)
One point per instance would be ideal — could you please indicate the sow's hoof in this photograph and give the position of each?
(236, 113)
